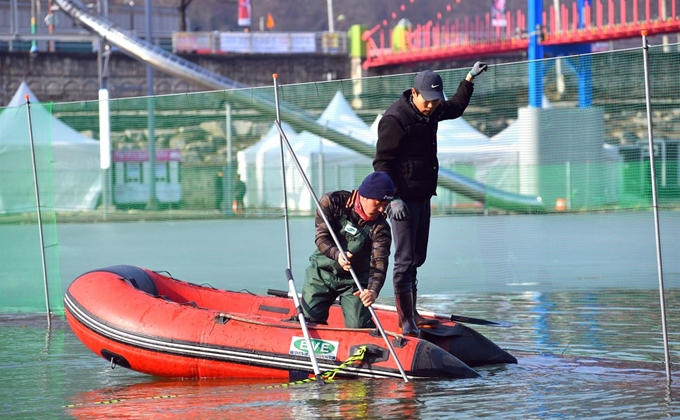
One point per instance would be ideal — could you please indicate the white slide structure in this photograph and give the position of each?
(296, 117)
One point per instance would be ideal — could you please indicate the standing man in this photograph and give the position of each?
(358, 221)
(407, 152)
(239, 194)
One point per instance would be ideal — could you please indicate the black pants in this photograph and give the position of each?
(410, 244)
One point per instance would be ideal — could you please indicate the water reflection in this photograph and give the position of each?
(249, 399)
(581, 354)
(620, 324)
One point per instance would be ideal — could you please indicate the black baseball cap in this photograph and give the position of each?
(430, 85)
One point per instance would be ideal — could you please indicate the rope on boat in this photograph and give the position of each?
(297, 327)
(328, 375)
(358, 357)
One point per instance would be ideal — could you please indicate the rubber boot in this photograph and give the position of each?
(420, 320)
(404, 304)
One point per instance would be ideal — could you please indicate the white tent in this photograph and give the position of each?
(374, 126)
(340, 116)
(327, 165)
(260, 168)
(19, 97)
(458, 134)
(74, 158)
(459, 142)
(464, 149)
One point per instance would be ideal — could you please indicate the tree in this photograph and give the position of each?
(183, 5)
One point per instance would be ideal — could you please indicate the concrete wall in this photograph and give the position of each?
(71, 77)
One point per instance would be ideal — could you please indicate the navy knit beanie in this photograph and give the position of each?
(378, 186)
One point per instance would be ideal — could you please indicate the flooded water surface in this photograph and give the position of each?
(588, 345)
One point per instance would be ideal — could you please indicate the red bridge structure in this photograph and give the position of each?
(569, 30)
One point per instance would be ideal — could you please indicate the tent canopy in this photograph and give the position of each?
(340, 116)
(68, 162)
(327, 165)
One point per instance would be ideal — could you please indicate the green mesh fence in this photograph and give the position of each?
(555, 198)
(24, 284)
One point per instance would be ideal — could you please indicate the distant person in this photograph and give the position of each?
(407, 151)
(219, 191)
(358, 221)
(239, 194)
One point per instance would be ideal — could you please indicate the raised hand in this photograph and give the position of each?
(479, 68)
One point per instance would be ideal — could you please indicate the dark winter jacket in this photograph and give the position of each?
(407, 143)
(339, 205)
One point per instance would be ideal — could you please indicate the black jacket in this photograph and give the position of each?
(407, 143)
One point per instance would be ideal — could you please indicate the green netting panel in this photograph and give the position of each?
(22, 279)
(584, 154)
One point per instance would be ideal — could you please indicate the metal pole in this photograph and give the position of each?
(329, 6)
(229, 176)
(342, 251)
(13, 22)
(655, 206)
(50, 24)
(34, 26)
(104, 114)
(283, 170)
(152, 204)
(559, 77)
(568, 192)
(132, 17)
(289, 273)
(104, 147)
(37, 204)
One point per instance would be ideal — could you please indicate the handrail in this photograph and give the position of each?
(145, 50)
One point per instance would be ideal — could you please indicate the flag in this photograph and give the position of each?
(498, 13)
(243, 12)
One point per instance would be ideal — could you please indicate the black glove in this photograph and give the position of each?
(397, 210)
(479, 68)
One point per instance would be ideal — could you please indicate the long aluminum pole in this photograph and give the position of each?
(37, 204)
(289, 273)
(283, 170)
(655, 206)
(342, 251)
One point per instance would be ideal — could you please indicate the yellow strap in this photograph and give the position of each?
(328, 375)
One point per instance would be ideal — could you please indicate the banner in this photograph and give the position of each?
(268, 42)
(243, 12)
(192, 42)
(235, 42)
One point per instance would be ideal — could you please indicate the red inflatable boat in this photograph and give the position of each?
(155, 324)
